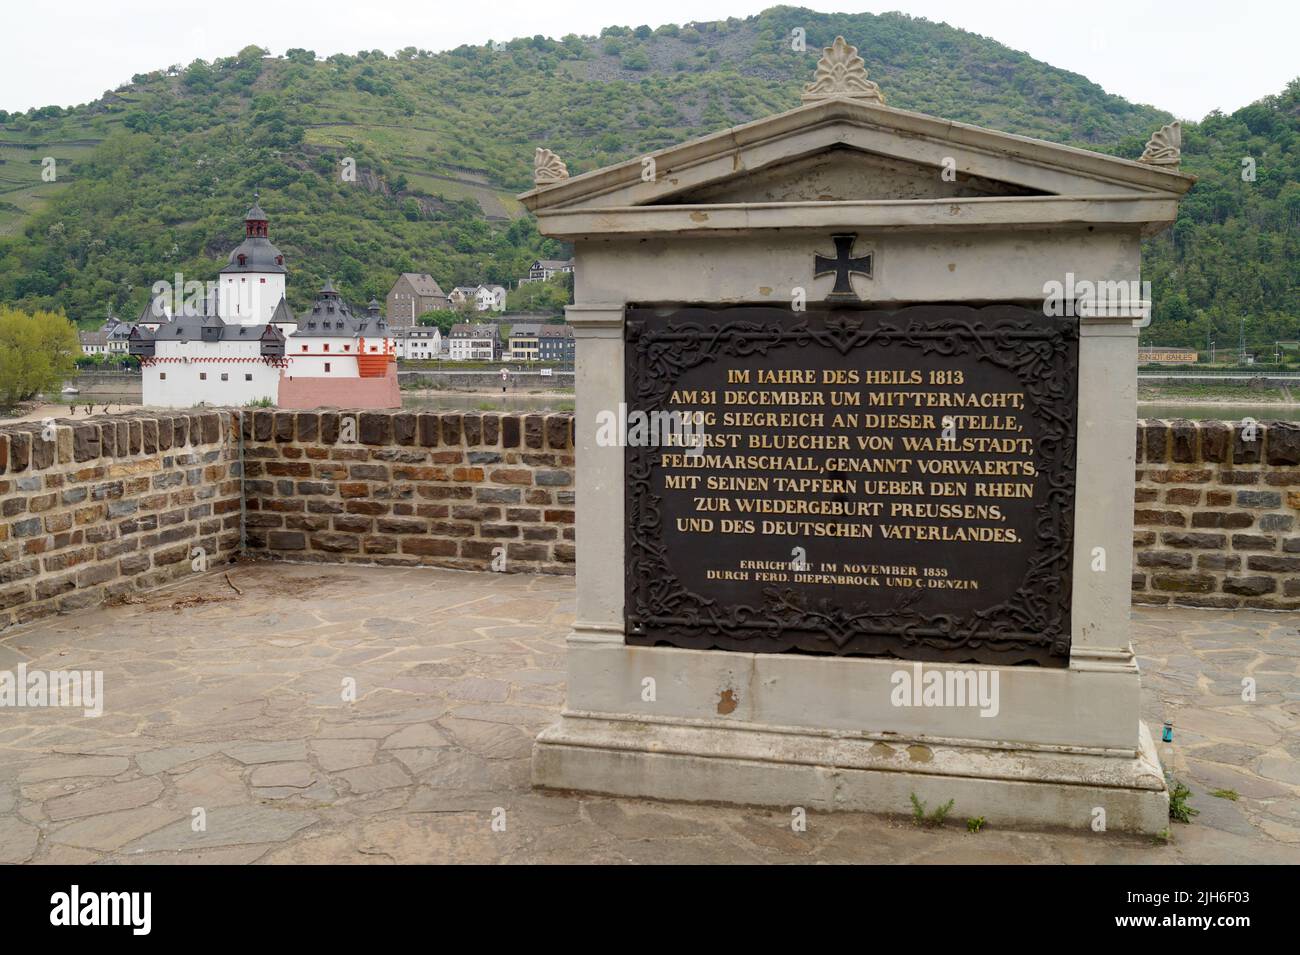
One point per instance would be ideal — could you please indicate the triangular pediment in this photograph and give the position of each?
(845, 150)
(843, 174)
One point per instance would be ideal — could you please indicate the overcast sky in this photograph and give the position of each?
(1186, 56)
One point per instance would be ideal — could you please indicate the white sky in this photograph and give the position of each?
(1186, 56)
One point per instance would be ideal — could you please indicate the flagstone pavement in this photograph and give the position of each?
(232, 703)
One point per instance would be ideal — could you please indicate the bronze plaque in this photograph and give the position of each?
(851, 481)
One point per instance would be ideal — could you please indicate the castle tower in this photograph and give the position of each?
(252, 284)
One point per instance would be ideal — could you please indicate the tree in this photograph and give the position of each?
(549, 296)
(199, 77)
(442, 318)
(37, 351)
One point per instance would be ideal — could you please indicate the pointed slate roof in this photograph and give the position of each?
(283, 314)
(153, 311)
(332, 317)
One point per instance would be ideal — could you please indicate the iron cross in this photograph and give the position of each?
(843, 265)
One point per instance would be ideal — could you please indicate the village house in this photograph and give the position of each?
(473, 343)
(481, 298)
(419, 343)
(411, 296)
(541, 341)
(555, 343)
(523, 342)
(117, 333)
(119, 338)
(93, 343)
(543, 269)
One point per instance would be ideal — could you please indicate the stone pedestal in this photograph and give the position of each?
(735, 219)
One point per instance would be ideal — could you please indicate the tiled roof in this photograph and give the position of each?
(189, 328)
(473, 331)
(424, 285)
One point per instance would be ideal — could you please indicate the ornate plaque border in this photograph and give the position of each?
(1033, 626)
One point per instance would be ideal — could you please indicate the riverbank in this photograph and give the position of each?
(486, 393)
(1219, 393)
(39, 411)
(432, 399)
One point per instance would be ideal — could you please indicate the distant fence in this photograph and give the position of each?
(1200, 371)
(515, 381)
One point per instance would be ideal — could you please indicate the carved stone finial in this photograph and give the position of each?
(548, 167)
(841, 72)
(1165, 147)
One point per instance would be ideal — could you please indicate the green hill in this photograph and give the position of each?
(1233, 254)
(152, 178)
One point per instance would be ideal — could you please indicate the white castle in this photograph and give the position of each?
(239, 343)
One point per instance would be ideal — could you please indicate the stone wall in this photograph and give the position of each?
(375, 392)
(1215, 514)
(442, 489)
(116, 504)
(94, 510)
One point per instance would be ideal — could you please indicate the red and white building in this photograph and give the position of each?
(339, 359)
(240, 345)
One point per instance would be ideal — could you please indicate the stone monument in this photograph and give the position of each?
(885, 548)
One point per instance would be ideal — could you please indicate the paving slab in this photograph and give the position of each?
(237, 709)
